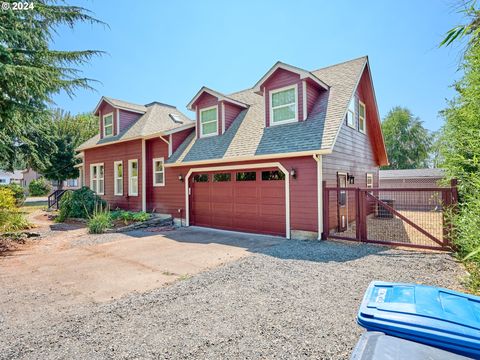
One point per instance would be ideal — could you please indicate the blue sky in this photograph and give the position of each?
(167, 50)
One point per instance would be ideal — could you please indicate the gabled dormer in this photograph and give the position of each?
(116, 116)
(214, 111)
(289, 93)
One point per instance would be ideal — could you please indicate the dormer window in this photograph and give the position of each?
(209, 121)
(283, 105)
(108, 125)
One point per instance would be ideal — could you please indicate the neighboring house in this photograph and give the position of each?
(25, 177)
(14, 177)
(411, 178)
(251, 161)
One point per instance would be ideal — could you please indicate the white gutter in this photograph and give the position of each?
(318, 159)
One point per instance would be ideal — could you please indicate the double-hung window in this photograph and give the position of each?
(97, 178)
(133, 177)
(118, 177)
(361, 117)
(351, 113)
(108, 125)
(209, 121)
(283, 105)
(369, 181)
(158, 172)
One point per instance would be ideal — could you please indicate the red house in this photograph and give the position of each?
(251, 161)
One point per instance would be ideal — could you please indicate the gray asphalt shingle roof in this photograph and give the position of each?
(156, 119)
(248, 136)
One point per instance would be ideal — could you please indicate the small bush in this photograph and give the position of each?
(7, 198)
(10, 218)
(39, 187)
(80, 203)
(99, 221)
(127, 216)
(18, 193)
(13, 221)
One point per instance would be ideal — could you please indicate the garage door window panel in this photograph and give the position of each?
(222, 177)
(272, 175)
(246, 176)
(199, 178)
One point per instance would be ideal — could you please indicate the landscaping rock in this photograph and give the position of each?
(157, 220)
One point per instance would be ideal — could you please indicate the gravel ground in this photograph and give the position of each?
(294, 300)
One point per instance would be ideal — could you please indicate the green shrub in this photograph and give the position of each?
(18, 193)
(13, 220)
(39, 187)
(127, 216)
(80, 203)
(99, 221)
(7, 198)
(10, 218)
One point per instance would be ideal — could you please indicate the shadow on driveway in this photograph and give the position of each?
(279, 247)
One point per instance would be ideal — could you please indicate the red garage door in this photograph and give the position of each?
(247, 200)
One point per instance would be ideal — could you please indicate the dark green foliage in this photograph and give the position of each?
(39, 187)
(67, 133)
(31, 74)
(460, 150)
(407, 141)
(18, 193)
(80, 203)
(127, 216)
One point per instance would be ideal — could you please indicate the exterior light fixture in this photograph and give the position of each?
(351, 179)
(293, 173)
(180, 177)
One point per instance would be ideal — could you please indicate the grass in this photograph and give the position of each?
(30, 207)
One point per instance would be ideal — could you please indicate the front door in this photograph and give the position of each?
(342, 200)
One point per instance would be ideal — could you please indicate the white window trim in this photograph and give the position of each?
(200, 121)
(163, 171)
(272, 92)
(364, 131)
(103, 124)
(116, 191)
(353, 126)
(130, 162)
(97, 178)
(369, 186)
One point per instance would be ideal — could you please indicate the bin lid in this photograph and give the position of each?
(378, 346)
(432, 315)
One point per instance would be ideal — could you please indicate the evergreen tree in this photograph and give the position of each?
(31, 73)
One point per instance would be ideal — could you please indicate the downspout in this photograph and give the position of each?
(318, 159)
(144, 177)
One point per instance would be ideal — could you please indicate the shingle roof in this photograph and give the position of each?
(248, 136)
(156, 119)
(125, 104)
(412, 173)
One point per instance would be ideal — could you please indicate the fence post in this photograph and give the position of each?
(326, 210)
(453, 184)
(358, 214)
(363, 219)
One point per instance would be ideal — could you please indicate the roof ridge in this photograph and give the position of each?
(128, 102)
(340, 63)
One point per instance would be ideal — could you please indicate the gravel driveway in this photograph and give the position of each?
(293, 300)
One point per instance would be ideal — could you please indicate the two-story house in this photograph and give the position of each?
(251, 161)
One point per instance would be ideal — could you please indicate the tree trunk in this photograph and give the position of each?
(59, 184)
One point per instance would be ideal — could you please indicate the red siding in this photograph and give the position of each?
(281, 78)
(231, 112)
(179, 137)
(303, 190)
(108, 154)
(313, 92)
(204, 101)
(127, 118)
(105, 109)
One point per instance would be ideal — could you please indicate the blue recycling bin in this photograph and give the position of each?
(434, 316)
(378, 346)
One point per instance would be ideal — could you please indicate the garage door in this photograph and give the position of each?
(247, 200)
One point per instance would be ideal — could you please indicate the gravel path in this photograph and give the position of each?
(294, 300)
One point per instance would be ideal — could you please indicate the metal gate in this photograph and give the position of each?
(413, 217)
